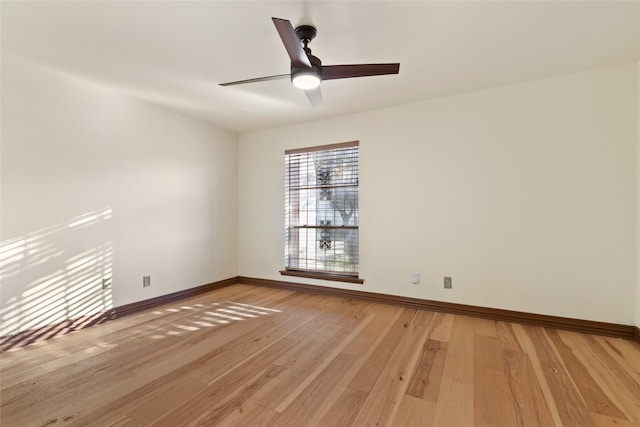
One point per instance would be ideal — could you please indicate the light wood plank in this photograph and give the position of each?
(344, 409)
(459, 362)
(606, 421)
(507, 337)
(455, 403)
(332, 354)
(162, 403)
(615, 384)
(492, 399)
(427, 376)
(594, 397)
(414, 412)
(485, 327)
(362, 343)
(299, 364)
(253, 415)
(441, 324)
(529, 404)
(309, 405)
(571, 407)
(368, 374)
(125, 422)
(382, 403)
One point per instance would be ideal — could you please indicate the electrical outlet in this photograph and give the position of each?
(447, 282)
(106, 283)
(415, 278)
(146, 281)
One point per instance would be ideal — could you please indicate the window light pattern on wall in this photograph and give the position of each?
(321, 190)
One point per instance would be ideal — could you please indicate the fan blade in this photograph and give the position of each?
(331, 72)
(315, 97)
(291, 42)
(259, 79)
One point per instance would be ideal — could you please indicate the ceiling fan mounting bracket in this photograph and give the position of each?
(306, 33)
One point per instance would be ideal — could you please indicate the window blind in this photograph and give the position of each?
(321, 209)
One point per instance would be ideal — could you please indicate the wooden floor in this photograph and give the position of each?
(251, 356)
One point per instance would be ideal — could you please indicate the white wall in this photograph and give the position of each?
(524, 194)
(97, 185)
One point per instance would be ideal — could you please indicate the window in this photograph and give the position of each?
(321, 210)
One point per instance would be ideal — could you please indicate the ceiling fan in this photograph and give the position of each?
(307, 70)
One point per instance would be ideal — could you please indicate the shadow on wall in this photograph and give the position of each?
(57, 279)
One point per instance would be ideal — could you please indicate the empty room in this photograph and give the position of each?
(181, 240)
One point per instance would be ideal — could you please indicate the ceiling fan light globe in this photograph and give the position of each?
(306, 81)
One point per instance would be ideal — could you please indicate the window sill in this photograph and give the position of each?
(322, 276)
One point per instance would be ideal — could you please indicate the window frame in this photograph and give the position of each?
(311, 273)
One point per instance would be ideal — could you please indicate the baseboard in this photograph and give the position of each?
(585, 326)
(71, 325)
(564, 323)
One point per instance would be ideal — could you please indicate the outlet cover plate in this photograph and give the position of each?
(447, 282)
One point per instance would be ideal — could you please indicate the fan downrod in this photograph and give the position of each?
(306, 33)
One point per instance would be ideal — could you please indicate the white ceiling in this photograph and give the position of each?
(175, 53)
